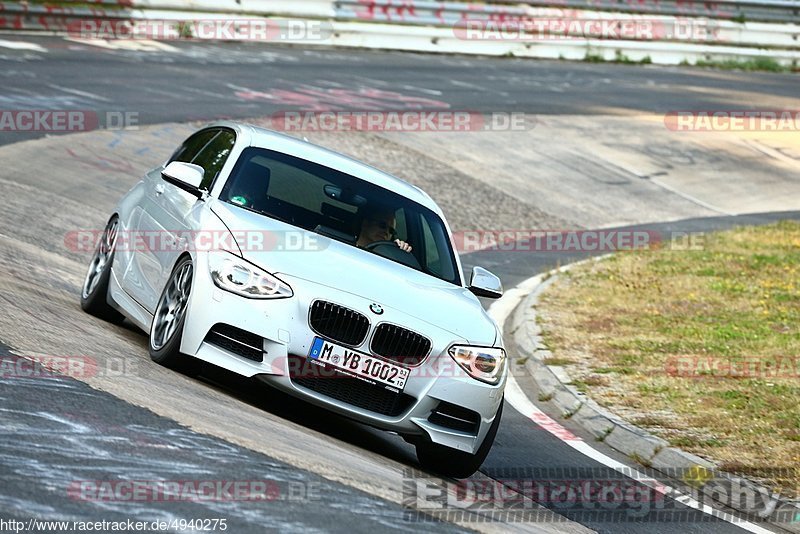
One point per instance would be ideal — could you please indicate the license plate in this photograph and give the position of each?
(359, 364)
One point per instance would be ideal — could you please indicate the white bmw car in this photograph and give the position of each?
(320, 275)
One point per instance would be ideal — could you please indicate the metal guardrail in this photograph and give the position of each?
(424, 11)
(570, 22)
(433, 12)
(52, 18)
(297, 8)
(429, 26)
(741, 10)
(43, 16)
(448, 13)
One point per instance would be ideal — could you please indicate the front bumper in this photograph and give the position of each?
(282, 325)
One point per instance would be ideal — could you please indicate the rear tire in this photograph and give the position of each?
(457, 464)
(94, 293)
(166, 330)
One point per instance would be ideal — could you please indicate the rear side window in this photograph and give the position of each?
(209, 149)
(213, 156)
(192, 146)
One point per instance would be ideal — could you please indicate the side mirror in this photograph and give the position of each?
(485, 284)
(186, 176)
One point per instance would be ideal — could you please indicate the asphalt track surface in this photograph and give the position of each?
(206, 81)
(60, 433)
(96, 436)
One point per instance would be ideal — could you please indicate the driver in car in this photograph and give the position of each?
(379, 225)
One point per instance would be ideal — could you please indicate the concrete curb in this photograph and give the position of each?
(554, 385)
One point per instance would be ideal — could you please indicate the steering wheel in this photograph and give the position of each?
(376, 244)
(390, 250)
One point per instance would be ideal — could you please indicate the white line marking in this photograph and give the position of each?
(690, 198)
(468, 85)
(153, 90)
(500, 310)
(142, 45)
(770, 152)
(79, 92)
(21, 45)
(422, 90)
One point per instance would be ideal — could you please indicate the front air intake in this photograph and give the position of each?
(350, 390)
(238, 341)
(455, 417)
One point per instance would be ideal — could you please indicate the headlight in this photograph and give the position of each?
(243, 278)
(484, 364)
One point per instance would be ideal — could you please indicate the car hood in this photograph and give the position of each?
(343, 267)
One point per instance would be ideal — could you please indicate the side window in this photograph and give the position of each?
(431, 251)
(400, 224)
(436, 242)
(194, 144)
(213, 156)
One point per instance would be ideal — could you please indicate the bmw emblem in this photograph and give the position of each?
(376, 308)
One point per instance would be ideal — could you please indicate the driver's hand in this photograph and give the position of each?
(405, 247)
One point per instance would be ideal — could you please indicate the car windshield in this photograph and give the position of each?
(343, 207)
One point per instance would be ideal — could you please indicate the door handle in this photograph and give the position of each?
(159, 189)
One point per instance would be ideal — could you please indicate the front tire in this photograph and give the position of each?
(166, 330)
(94, 293)
(457, 464)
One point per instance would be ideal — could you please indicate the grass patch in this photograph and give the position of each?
(650, 421)
(691, 442)
(710, 338)
(605, 434)
(619, 57)
(185, 30)
(757, 64)
(593, 58)
(552, 360)
(585, 383)
(619, 370)
(640, 460)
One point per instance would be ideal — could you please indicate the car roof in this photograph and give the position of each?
(300, 148)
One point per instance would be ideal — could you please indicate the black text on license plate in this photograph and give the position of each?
(358, 363)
